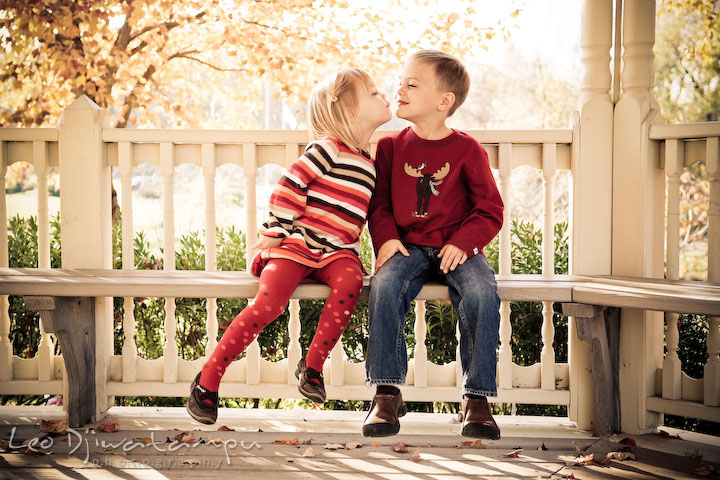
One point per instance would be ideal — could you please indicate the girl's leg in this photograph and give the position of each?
(345, 279)
(278, 280)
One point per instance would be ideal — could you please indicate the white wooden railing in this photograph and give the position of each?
(678, 147)
(127, 374)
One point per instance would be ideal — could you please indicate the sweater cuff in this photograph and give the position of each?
(469, 249)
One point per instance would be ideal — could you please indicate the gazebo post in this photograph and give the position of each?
(638, 214)
(592, 184)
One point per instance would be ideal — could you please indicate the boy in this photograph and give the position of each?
(435, 207)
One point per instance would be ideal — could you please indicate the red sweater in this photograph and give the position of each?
(434, 192)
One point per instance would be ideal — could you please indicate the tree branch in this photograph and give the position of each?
(208, 64)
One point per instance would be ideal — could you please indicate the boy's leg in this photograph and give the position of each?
(473, 292)
(392, 290)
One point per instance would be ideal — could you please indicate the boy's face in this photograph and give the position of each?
(419, 93)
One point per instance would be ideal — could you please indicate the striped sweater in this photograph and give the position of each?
(319, 206)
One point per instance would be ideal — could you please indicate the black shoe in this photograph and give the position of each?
(198, 409)
(382, 419)
(311, 382)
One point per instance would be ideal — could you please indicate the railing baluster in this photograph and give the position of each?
(712, 367)
(294, 349)
(672, 367)
(547, 355)
(420, 328)
(6, 351)
(250, 172)
(208, 169)
(46, 347)
(252, 353)
(129, 350)
(505, 352)
(170, 349)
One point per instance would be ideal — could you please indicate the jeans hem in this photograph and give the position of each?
(484, 393)
(388, 381)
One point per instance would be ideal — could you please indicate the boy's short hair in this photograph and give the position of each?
(450, 71)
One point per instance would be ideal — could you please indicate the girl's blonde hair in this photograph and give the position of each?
(333, 107)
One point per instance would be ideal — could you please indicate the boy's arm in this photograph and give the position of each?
(381, 221)
(289, 197)
(486, 217)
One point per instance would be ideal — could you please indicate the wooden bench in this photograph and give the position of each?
(65, 300)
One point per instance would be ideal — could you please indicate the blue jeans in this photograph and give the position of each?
(473, 293)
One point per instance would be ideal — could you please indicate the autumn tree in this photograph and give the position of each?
(202, 63)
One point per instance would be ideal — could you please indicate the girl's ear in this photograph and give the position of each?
(446, 101)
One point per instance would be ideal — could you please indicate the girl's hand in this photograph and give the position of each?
(451, 256)
(388, 249)
(264, 242)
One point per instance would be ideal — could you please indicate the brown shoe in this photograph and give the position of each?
(382, 419)
(311, 382)
(477, 420)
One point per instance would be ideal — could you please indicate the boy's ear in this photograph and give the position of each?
(446, 101)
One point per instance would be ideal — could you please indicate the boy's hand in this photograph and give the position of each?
(264, 242)
(388, 249)
(451, 256)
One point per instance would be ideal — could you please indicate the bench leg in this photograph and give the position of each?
(600, 327)
(72, 320)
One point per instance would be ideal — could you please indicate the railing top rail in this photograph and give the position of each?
(685, 130)
(301, 136)
(29, 134)
(197, 136)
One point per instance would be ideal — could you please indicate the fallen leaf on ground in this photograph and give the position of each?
(58, 425)
(184, 437)
(334, 446)
(542, 447)
(620, 456)
(664, 434)
(577, 447)
(309, 452)
(628, 441)
(400, 448)
(416, 456)
(352, 445)
(478, 444)
(223, 428)
(694, 454)
(514, 453)
(287, 441)
(581, 460)
(704, 471)
(109, 427)
(143, 440)
(190, 461)
(375, 444)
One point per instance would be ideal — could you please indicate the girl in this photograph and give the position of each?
(317, 212)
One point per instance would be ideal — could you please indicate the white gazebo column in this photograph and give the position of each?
(638, 215)
(592, 187)
(86, 222)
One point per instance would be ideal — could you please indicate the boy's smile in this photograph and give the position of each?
(418, 93)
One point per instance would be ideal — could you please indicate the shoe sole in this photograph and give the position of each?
(202, 419)
(309, 395)
(384, 429)
(477, 430)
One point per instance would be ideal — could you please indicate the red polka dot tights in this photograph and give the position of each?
(278, 281)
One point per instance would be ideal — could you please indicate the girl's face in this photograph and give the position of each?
(373, 107)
